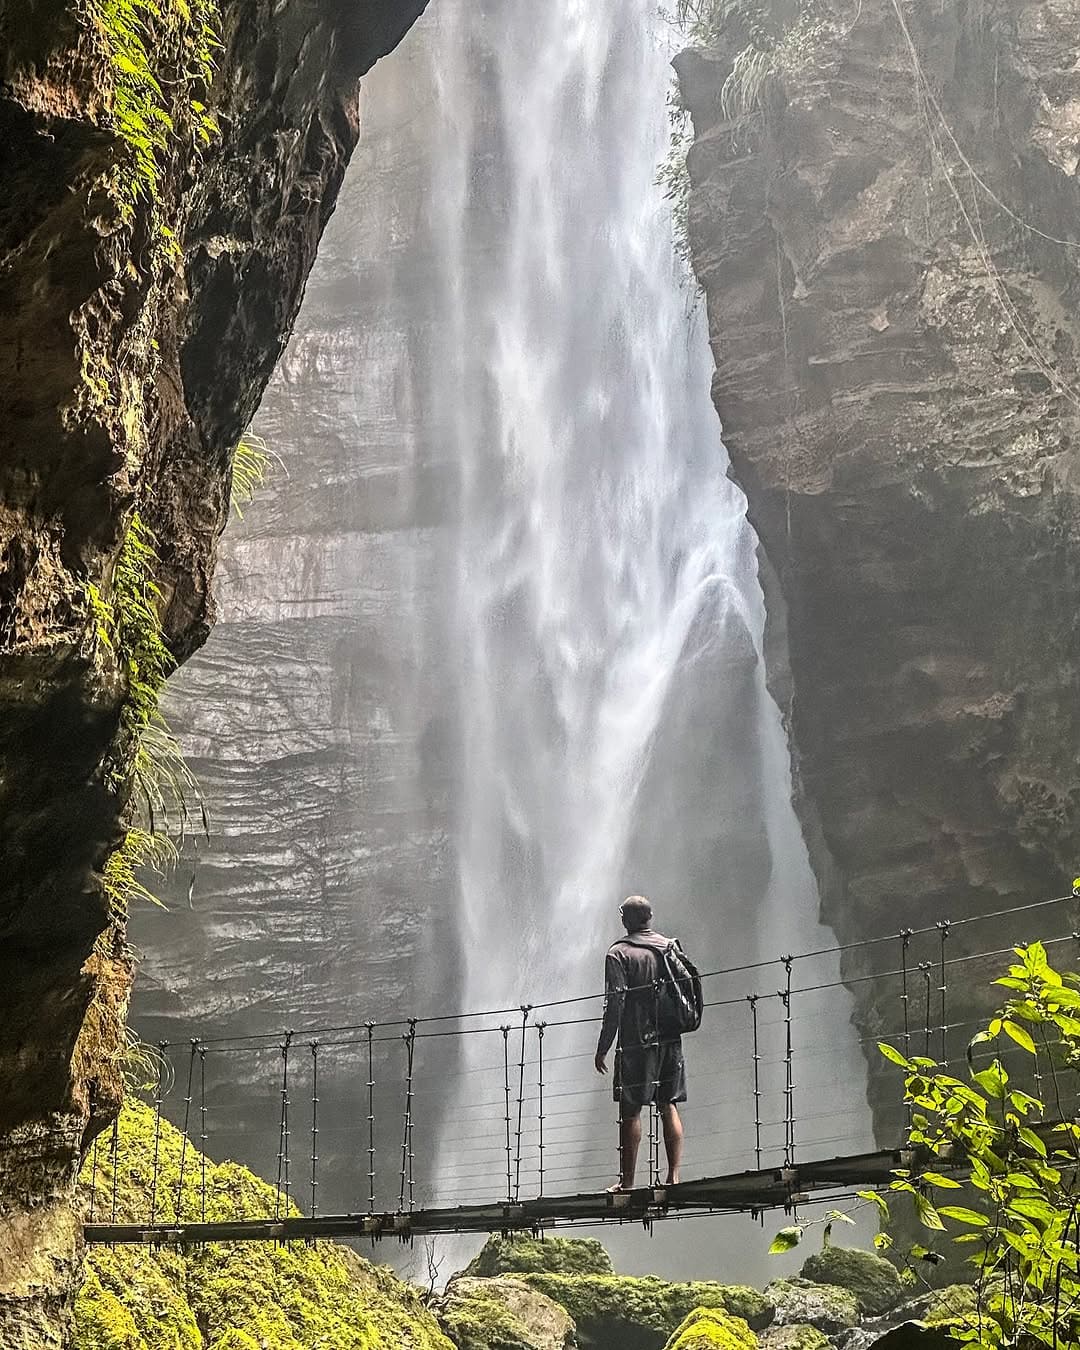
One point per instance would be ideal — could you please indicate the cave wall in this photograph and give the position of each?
(137, 339)
(885, 234)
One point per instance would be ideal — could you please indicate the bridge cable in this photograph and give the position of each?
(407, 1122)
(159, 1092)
(752, 1000)
(93, 1156)
(925, 969)
(371, 1119)
(281, 1196)
(526, 1009)
(184, 1142)
(314, 1128)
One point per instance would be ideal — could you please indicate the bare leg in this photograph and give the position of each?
(673, 1134)
(629, 1142)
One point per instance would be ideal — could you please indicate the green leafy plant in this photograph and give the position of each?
(1023, 1156)
(251, 466)
(140, 851)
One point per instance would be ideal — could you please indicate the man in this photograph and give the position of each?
(646, 1069)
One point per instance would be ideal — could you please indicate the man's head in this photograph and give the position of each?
(636, 913)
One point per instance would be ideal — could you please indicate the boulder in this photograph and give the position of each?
(641, 1312)
(796, 1336)
(915, 1336)
(712, 1329)
(503, 1313)
(874, 1281)
(529, 1255)
(825, 1306)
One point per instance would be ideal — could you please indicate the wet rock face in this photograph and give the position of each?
(892, 315)
(126, 375)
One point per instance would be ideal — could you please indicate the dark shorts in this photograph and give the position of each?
(645, 1073)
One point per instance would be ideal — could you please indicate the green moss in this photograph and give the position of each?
(641, 1312)
(950, 1303)
(711, 1329)
(873, 1280)
(503, 1313)
(529, 1255)
(288, 1297)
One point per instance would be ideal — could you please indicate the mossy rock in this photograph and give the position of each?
(529, 1255)
(628, 1312)
(874, 1281)
(503, 1313)
(712, 1329)
(946, 1305)
(797, 1336)
(825, 1306)
(252, 1296)
(915, 1336)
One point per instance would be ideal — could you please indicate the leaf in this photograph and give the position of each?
(992, 1080)
(891, 1053)
(927, 1214)
(1029, 1137)
(873, 1198)
(838, 1215)
(1020, 1036)
(962, 1215)
(785, 1240)
(946, 1183)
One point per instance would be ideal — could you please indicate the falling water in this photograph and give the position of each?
(616, 732)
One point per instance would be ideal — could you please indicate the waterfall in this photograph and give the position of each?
(605, 615)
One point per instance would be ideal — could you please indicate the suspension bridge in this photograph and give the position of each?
(521, 1151)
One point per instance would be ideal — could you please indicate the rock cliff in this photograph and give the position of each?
(882, 216)
(168, 172)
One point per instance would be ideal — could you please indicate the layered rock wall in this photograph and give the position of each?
(143, 309)
(885, 231)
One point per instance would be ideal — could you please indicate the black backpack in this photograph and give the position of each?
(679, 1001)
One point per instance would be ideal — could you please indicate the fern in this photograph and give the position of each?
(141, 850)
(251, 465)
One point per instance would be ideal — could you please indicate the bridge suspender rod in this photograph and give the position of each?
(115, 1150)
(159, 1093)
(924, 970)
(905, 1002)
(406, 1126)
(752, 1000)
(370, 1119)
(943, 987)
(187, 1123)
(506, 1116)
(314, 1129)
(540, 1096)
(202, 1130)
(93, 1156)
(281, 1198)
(789, 1079)
(526, 1009)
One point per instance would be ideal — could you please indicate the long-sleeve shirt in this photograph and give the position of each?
(630, 973)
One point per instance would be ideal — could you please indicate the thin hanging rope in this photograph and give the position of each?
(184, 1143)
(905, 1000)
(371, 1118)
(526, 1009)
(314, 1129)
(93, 1174)
(159, 1093)
(752, 1000)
